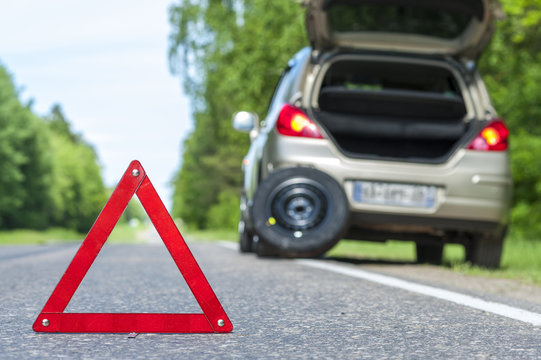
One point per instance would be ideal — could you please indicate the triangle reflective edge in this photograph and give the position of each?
(53, 318)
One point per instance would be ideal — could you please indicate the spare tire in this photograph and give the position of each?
(299, 212)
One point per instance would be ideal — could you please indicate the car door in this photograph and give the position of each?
(253, 160)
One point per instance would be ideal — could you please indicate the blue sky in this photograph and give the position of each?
(105, 62)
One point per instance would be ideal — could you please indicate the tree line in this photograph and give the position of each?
(49, 175)
(230, 54)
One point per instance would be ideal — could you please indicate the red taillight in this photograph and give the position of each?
(293, 121)
(492, 138)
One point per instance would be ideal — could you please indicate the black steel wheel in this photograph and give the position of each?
(299, 212)
(299, 204)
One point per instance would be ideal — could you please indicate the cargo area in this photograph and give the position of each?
(402, 111)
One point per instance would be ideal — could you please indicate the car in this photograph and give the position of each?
(381, 129)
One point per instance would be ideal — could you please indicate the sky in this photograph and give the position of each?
(105, 63)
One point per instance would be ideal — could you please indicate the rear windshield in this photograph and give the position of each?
(382, 76)
(410, 19)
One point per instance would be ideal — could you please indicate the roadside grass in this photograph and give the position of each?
(35, 237)
(521, 259)
(209, 235)
(122, 233)
(391, 251)
(127, 234)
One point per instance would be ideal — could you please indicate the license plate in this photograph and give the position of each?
(407, 195)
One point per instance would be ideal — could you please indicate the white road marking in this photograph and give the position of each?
(229, 245)
(451, 296)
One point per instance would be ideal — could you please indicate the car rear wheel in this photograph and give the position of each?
(246, 238)
(429, 253)
(486, 250)
(299, 212)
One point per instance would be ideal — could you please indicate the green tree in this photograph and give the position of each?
(25, 163)
(48, 174)
(230, 55)
(60, 126)
(512, 71)
(78, 192)
(512, 65)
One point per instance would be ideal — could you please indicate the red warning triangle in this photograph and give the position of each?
(53, 318)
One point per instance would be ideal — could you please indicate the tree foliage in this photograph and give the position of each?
(512, 71)
(512, 65)
(25, 165)
(77, 188)
(48, 175)
(229, 54)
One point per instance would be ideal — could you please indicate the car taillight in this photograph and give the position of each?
(293, 121)
(493, 137)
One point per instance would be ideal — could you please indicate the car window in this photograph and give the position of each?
(398, 19)
(281, 94)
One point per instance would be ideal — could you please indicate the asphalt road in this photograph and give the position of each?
(279, 308)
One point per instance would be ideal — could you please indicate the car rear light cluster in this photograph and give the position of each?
(292, 121)
(493, 137)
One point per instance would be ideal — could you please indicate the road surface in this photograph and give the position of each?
(280, 309)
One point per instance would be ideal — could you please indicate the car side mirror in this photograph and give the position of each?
(246, 122)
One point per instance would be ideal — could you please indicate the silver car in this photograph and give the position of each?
(382, 129)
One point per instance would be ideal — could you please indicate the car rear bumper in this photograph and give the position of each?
(369, 226)
(473, 188)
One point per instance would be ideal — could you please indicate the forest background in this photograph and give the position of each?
(229, 55)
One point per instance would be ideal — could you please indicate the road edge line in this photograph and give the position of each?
(442, 294)
(451, 296)
(229, 245)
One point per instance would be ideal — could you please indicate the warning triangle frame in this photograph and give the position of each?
(134, 182)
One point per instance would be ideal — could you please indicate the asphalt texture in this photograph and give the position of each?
(279, 309)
